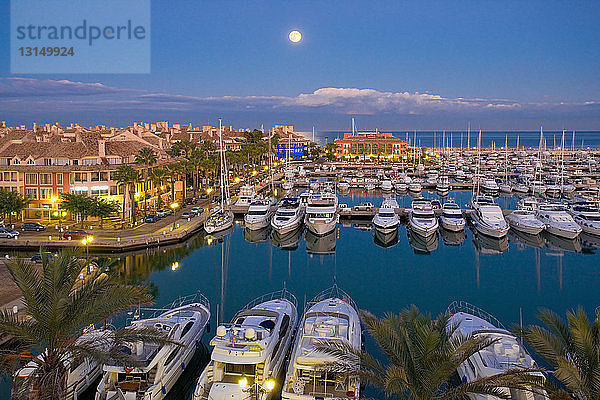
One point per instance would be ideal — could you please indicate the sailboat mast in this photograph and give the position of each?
(221, 157)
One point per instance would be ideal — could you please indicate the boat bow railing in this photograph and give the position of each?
(463, 306)
(279, 294)
(152, 312)
(332, 292)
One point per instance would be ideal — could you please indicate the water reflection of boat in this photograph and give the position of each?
(526, 238)
(590, 241)
(257, 236)
(422, 244)
(490, 245)
(561, 243)
(452, 238)
(287, 241)
(218, 235)
(385, 240)
(324, 244)
(363, 226)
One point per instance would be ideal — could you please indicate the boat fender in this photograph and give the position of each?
(182, 366)
(163, 390)
(198, 344)
(208, 327)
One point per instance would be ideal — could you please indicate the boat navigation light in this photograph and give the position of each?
(221, 331)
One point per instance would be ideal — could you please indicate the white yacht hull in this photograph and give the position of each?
(255, 224)
(423, 230)
(592, 228)
(452, 226)
(386, 228)
(495, 232)
(561, 232)
(522, 226)
(288, 227)
(321, 228)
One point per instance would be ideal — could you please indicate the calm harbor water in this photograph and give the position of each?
(501, 277)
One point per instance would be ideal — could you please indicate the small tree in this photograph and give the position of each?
(12, 202)
(146, 157)
(102, 208)
(78, 204)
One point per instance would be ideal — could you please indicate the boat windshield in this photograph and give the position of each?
(283, 213)
(320, 215)
(421, 214)
(233, 372)
(452, 215)
(257, 212)
(386, 214)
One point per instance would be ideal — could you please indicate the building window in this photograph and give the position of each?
(16, 161)
(59, 179)
(95, 176)
(89, 161)
(75, 162)
(99, 190)
(113, 190)
(114, 160)
(31, 179)
(30, 162)
(13, 176)
(62, 161)
(80, 176)
(32, 193)
(46, 179)
(47, 161)
(45, 194)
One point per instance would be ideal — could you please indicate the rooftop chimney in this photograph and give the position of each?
(101, 148)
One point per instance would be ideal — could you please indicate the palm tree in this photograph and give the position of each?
(422, 356)
(572, 348)
(127, 176)
(147, 158)
(57, 308)
(173, 172)
(158, 176)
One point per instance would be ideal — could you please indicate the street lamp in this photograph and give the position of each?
(174, 208)
(52, 201)
(85, 242)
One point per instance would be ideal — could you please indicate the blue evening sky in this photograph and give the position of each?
(533, 52)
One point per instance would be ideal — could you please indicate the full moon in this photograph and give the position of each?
(295, 36)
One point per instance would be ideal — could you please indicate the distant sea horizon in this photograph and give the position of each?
(527, 139)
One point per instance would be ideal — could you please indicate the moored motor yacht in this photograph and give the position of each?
(443, 184)
(487, 217)
(490, 185)
(421, 218)
(343, 185)
(81, 372)
(386, 185)
(557, 220)
(587, 216)
(259, 215)
(246, 195)
(159, 365)
(415, 186)
(331, 320)
(525, 221)
(504, 354)
(249, 353)
(321, 213)
(288, 215)
(386, 220)
(452, 218)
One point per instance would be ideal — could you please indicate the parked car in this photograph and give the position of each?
(32, 226)
(197, 210)
(152, 218)
(37, 258)
(75, 234)
(363, 207)
(187, 214)
(163, 212)
(191, 200)
(6, 233)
